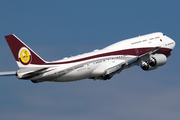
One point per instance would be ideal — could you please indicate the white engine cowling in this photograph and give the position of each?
(154, 62)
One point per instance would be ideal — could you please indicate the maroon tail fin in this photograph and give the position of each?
(23, 55)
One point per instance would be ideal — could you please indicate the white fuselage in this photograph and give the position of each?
(102, 62)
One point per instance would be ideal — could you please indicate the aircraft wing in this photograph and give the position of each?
(131, 61)
(152, 52)
(128, 62)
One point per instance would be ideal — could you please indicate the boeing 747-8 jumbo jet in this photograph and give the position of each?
(148, 51)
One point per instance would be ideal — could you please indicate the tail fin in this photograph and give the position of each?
(24, 56)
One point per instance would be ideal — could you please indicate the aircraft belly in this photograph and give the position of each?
(98, 71)
(74, 75)
(45, 78)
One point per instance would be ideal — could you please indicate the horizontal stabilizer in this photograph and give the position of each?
(28, 73)
(9, 73)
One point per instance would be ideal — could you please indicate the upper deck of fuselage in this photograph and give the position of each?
(136, 42)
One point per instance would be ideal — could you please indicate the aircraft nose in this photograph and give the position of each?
(173, 43)
(170, 42)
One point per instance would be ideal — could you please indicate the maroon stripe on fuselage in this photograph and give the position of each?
(133, 51)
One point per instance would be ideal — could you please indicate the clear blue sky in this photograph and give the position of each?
(61, 28)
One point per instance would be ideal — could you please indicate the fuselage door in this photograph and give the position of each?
(137, 52)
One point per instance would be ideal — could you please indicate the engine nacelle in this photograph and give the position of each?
(160, 59)
(145, 65)
(154, 62)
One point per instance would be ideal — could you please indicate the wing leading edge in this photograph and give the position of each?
(128, 62)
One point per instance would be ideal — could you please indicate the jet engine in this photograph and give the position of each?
(154, 62)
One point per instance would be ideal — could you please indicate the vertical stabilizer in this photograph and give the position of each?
(24, 56)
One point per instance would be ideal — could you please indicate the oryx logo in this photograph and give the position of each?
(24, 56)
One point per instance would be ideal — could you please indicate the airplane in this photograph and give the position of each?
(148, 51)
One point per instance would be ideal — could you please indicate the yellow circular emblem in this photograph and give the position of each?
(25, 56)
